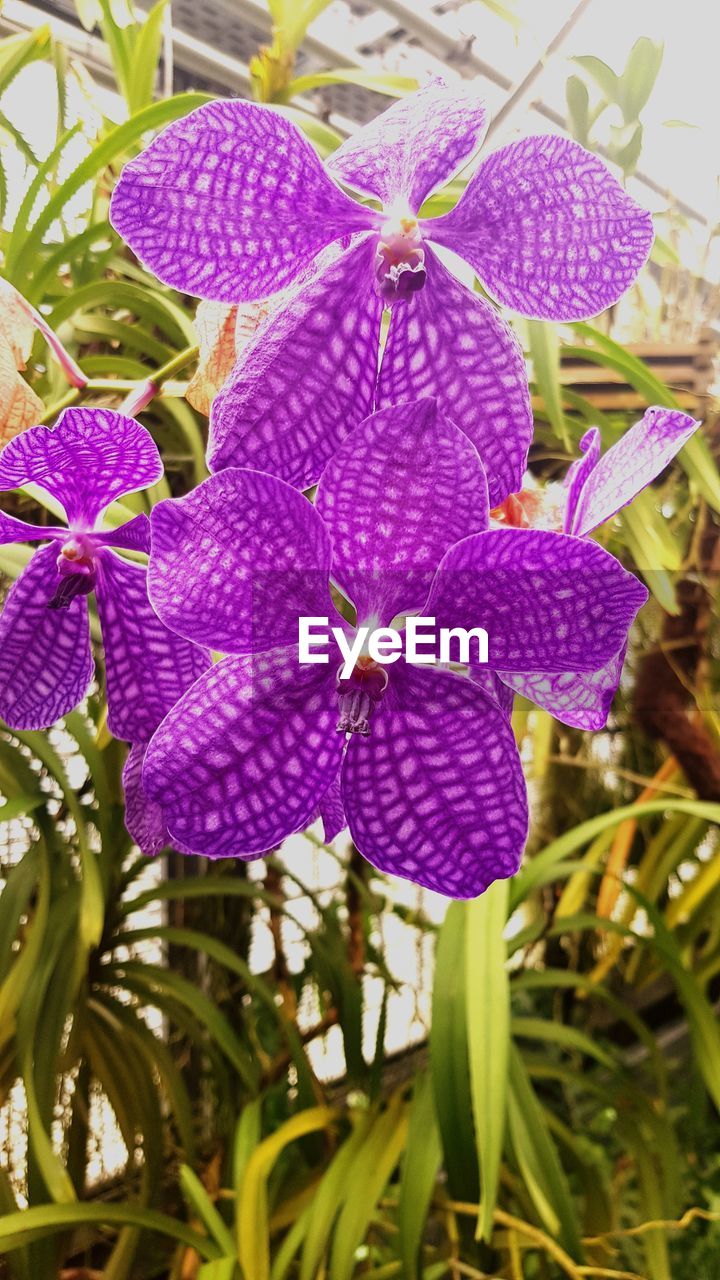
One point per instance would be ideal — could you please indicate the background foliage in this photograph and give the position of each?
(561, 1117)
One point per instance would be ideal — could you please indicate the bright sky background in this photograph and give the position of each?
(686, 161)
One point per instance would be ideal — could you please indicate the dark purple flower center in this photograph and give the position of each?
(76, 571)
(400, 258)
(358, 696)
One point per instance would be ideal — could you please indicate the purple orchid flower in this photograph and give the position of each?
(596, 488)
(90, 458)
(429, 777)
(233, 204)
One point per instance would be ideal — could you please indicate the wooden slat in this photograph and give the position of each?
(572, 374)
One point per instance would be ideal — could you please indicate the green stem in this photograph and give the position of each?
(154, 380)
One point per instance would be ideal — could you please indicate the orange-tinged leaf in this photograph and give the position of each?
(16, 324)
(19, 406)
(223, 331)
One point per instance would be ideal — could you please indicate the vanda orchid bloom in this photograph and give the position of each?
(596, 488)
(90, 458)
(233, 204)
(431, 784)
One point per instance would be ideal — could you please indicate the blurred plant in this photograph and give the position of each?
(627, 92)
(562, 1120)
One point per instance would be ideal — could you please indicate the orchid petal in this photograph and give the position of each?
(403, 487)
(147, 667)
(494, 686)
(90, 457)
(332, 812)
(134, 535)
(548, 229)
(415, 146)
(12, 530)
(236, 562)
(231, 203)
(246, 756)
(579, 698)
(548, 602)
(436, 792)
(46, 663)
(307, 379)
(144, 817)
(446, 342)
(578, 473)
(630, 465)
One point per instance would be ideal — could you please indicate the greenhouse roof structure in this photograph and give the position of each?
(519, 49)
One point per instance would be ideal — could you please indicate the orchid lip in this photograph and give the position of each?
(400, 257)
(76, 570)
(359, 695)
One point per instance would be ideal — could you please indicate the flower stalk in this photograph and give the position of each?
(139, 393)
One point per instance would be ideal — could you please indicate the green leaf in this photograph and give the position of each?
(449, 1057)
(157, 983)
(19, 806)
(602, 74)
(578, 105)
(222, 1269)
(544, 347)
(27, 244)
(291, 19)
(421, 1162)
(88, 12)
(700, 466)
(331, 1194)
(532, 874)
(538, 1159)
(566, 1037)
(18, 51)
(488, 1021)
(644, 548)
(625, 148)
(199, 1202)
(252, 1209)
(145, 58)
(638, 79)
(372, 1169)
(379, 81)
(13, 990)
(17, 1229)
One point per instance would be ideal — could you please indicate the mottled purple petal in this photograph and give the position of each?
(631, 464)
(436, 792)
(132, 536)
(144, 817)
(45, 660)
(548, 602)
(246, 756)
(578, 473)
(147, 667)
(494, 686)
(548, 229)
(231, 203)
(332, 812)
(86, 461)
(403, 488)
(237, 561)
(578, 698)
(306, 380)
(12, 530)
(415, 146)
(447, 342)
